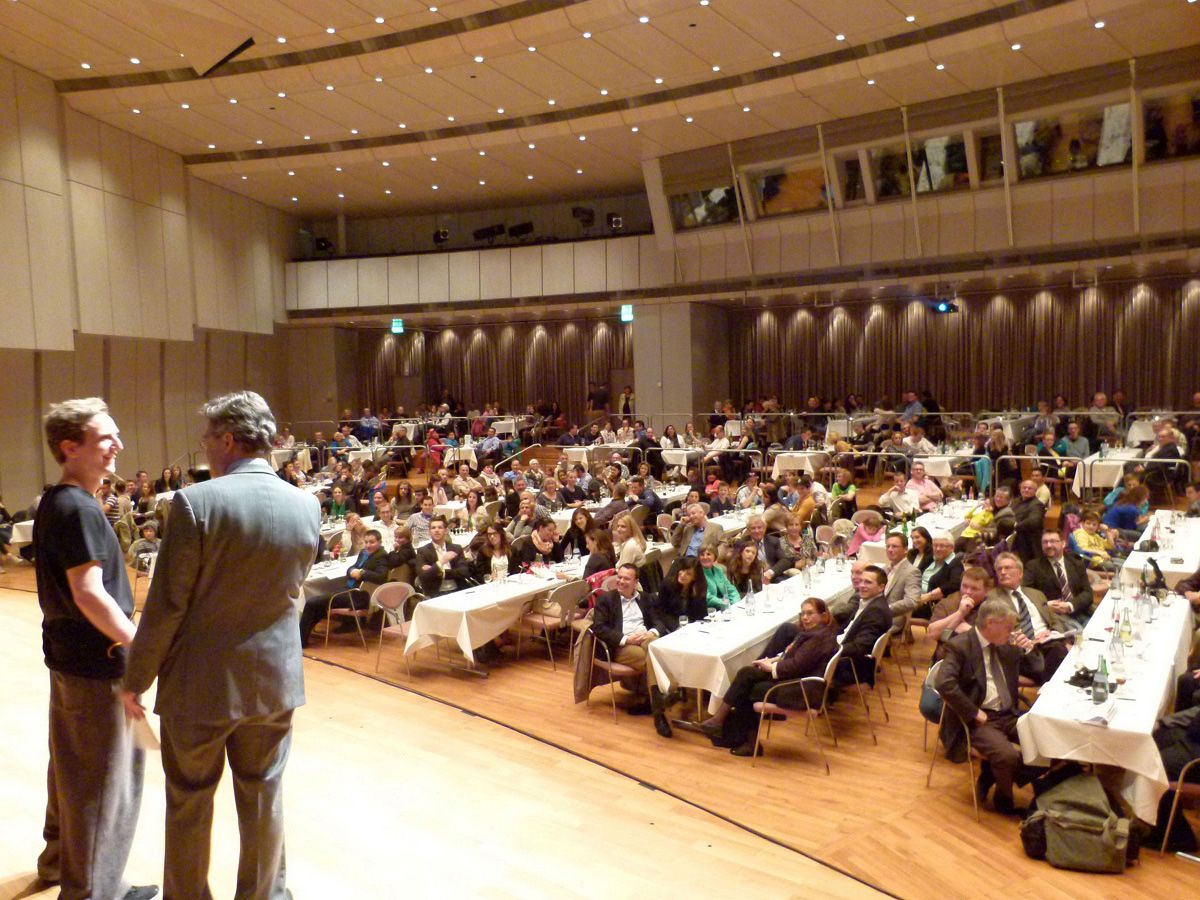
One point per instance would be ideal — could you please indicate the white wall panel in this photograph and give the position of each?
(558, 269)
(10, 137)
(433, 278)
(181, 423)
(115, 158)
(402, 280)
(89, 366)
(152, 451)
(121, 230)
(21, 473)
(84, 164)
(464, 276)
(260, 264)
(56, 382)
(313, 285)
(687, 256)
(247, 231)
(495, 281)
(41, 144)
(121, 379)
(343, 283)
(764, 247)
(956, 223)
(144, 172)
(204, 251)
(621, 264)
(656, 267)
(50, 259)
(14, 263)
(527, 271)
(226, 235)
(591, 269)
(372, 282)
(1191, 194)
(1032, 213)
(152, 272)
(178, 277)
(1072, 218)
(291, 291)
(1161, 205)
(794, 242)
(991, 221)
(172, 182)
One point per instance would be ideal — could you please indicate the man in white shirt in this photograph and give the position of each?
(1035, 619)
(900, 499)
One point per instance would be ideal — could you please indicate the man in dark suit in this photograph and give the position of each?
(1035, 619)
(440, 564)
(626, 621)
(371, 567)
(640, 495)
(872, 618)
(978, 680)
(1062, 579)
(220, 633)
(1030, 518)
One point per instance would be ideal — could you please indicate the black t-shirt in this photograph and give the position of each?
(71, 530)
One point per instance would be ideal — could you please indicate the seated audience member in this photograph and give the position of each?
(1050, 462)
(548, 498)
(521, 524)
(790, 552)
(805, 653)
(980, 519)
(404, 505)
(916, 444)
(542, 545)
(1189, 589)
(492, 560)
(139, 551)
(695, 533)
(1035, 619)
(1063, 580)
(146, 500)
(370, 567)
(1042, 490)
(683, 593)
(903, 589)
(979, 680)
(942, 576)
(570, 494)
(722, 502)
(441, 565)
(720, 593)
(1129, 515)
(641, 495)
(871, 619)
(716, 449)
(167, 481)
(463, 482)
(1178, 739)
(574, 538)
(844, 495)
(1029, 517)
(920, 548)
(870, 529)
(628, 540)
(1072, 448)
(899, 499)
(418, 522)
(626, 621)
(535, 474)
(600, 553)
(750, 493)
(926, 489)
(955, 613)
(402, 552)
(744, 568)
(1128, 483)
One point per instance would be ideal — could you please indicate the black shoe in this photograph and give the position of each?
(662, 726)
(672, 698)
(984, 783)
(1006, 807)
(639, 709)
(144, 892)
(747, 749)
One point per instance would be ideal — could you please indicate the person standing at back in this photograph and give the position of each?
(221, 632)
(94, 782)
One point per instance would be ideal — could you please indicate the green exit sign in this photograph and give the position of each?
(397, 326)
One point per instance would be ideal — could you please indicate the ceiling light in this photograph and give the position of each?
(331, 31)
(135, 60)
(244, 177)
(483, 153)
(1100, 24)
(777, 54)
(428, 70)
(433, 159)
(704, 2)
(449, 118)
(386, 163)
(531, 146)
(1016, 46)
(910, 18)
(337, 168)
(85, 65)
(379, 20)
(258, 142)
(745, 109)
(233, 99)
(551, 102)
(294, 199)
(212, 146)
(716, 68)
(378, 79)
(533, 49)
(644, 19)
(281, 40)
(839, 37)
(583, 137)
(433, 9)
(137, 112)
(435, 187)
(529, 177)
(939, 67)
(329, 87)
(603, 92)
(579, 171)
(291, 173)
(634, 128)
(341, 196)
(689, 119)
(184, 106)
(354, 131)
(481, 181)
(281, 95)
(479, 59)
(403, 125)
(658, 81)
(308, 137)
(386, 191)
(587, 34)
(870, 81)
(500, 111)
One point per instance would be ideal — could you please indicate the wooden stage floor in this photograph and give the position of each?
(387, 786)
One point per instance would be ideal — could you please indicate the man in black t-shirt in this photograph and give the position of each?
(95, 775)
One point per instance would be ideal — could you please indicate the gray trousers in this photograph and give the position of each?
(93, 790)
(193, 755)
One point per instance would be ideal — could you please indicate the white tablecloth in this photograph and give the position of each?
(841, 426)
(576, 454)
(280, 456)
(942, 466)
(1012, 424)
(807, 461)
(450, 509)
(505, 427)
(22, 534)
(324, 578)
(457, 455)
(1141, 431)
(365, 453)
(1179, 555)
(1094, 472)
(952, 518)
(735, 522)
(708, 654)
(733, 428)
(677, 457)
(1052, 728)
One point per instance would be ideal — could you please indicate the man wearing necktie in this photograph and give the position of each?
(1035, 619)
(1063, 579)
(978, 680)
(370, 567)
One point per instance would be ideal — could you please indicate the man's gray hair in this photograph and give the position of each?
(67, 421)
(994, 609)
(246, 416)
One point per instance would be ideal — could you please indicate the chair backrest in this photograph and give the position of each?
(825, 534)
(880, 647)
(609, 583)
(332, 538)
(404, 573)
(707, 508)
(639, 513)
(831, 669)
(518, 545)
(665, 521)
(494, 508)
(392, 596)
(859, 516)
(563, 600)
(931, 675)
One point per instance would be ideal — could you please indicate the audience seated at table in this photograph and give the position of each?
(1035, 619)
(869, 619)
(683, 593)
(744, 568)
(541, 545)
(789, 552)
(871, 529)
(955, 613)
(720, 591)
(628, 540)
(441, 564)
(370, 567)
(1063, 579)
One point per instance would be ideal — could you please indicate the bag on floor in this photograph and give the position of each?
(1075, 828)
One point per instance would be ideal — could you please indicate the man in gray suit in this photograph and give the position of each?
(903, 579)
(221, 632)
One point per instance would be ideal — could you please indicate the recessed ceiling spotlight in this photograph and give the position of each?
(386, 163)
(704, 2)
(233, 99)
(579, 171)
(745, 109)
(603, 92)
(354, 131)
(479, 59)
(644, 19)
(939, 67)
(532, 49)
(341, 196)
(716, 68)
(291, 172)
(212, 146)
(308, 137)
(378, 79)
(500, 110)
(839, 37)
(386, 191)
(551, 102)
(910, 18)
(433, 159)
(281, 40)
(435, 187)
(1016, 46)
(331, 31)
(870, 81)
(658, 81)
(428, 70)
(529, 178)
(135, 60)
(85, 65)
(583, 137)
(777, 54)
(258, 142)
(689, 119)
(337, 168)
(329, 87)
(449, 118)
(184, 106)
(295, 199)
(587, 34)
(483, 153)
(281, 95)
(137, 112)
(481, 181)
(634, 129)
(244, 177)
(1100, 24)
(403, 125)
(433, 9)
(379, 20)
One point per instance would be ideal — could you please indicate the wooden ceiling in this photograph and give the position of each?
(341, 126)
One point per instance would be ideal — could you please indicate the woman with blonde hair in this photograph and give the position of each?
(628, 541)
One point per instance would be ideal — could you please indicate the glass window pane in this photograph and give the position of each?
(890, 168)
(794, 188)
(700, 209)
(941, 164)
(850, 173)
(1074, 141)
(991, 157)
(1173, 126)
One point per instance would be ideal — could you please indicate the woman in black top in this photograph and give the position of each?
(601, 554)
(920, 552)
(684, 592)
(581, 524)
(744, 568)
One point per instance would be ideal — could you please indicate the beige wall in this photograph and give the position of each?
(124, 278)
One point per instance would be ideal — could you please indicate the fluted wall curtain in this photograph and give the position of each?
(515, 364)
(1000, 351)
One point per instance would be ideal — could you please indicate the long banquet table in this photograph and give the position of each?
(810, 461)
(1064, 723)
(708, 654)
(1178, 555)
(1094, 472)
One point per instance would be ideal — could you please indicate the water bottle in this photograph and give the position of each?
(1126, 630)
(1100, 682)
(750, 602)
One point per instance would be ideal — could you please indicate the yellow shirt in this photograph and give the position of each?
(1091, 543)
(980, 519)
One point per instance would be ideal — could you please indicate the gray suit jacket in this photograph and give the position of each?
(221, 624)
(903, 588)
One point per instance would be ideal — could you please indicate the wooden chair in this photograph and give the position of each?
(768, 710)
(614, 670)
(1182, 788)
(972, 753)
(358, 615)
(394, 597)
